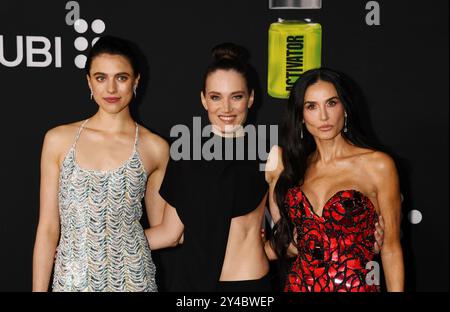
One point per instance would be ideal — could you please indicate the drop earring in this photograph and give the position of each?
(345, 123)
(134, 91)
(301, 129)
(92, 95)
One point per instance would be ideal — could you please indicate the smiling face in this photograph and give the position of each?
(227, 99)
(112, 80)
(323, 111)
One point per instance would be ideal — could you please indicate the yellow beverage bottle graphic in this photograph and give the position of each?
(294, 47)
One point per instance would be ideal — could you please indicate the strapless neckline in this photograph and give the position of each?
(330, 200)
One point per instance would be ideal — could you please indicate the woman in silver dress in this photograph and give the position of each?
(94, 175)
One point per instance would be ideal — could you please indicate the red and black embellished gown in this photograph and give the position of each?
(333, 249)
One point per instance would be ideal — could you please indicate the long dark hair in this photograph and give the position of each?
(296, 150)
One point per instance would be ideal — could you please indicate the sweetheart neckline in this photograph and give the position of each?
(311, 207)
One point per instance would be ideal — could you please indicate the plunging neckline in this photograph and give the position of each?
(327, 203)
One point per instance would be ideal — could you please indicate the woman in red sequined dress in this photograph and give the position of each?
(327, 188)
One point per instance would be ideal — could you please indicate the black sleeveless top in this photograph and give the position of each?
(207, 194)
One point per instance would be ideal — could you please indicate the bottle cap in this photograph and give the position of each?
(295, 4)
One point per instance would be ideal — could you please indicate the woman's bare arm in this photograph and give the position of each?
(388, 197)
(168, 233)
(155, 152)
(48, 229)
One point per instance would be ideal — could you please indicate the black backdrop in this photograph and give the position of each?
(401, 67)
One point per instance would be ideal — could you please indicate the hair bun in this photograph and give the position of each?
(230, 51)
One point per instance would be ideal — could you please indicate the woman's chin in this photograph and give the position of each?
(228, 130)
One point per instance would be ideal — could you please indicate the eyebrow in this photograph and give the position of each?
(235, 92)
(118, 74)
(331, 98)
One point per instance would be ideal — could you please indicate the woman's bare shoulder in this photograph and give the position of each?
(153, 149)
(379, 165)
(380, 161)
(274, 164)
(152, 141)
(60, 137)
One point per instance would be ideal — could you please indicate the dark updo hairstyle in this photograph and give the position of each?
(114, 46)
(230, 56)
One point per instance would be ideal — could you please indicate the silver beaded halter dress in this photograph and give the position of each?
(102, 244)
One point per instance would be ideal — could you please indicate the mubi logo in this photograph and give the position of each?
(31, 47)
(81, 26)
(45, 51)
(81, 43)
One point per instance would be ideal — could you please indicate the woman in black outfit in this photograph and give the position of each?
(217, 205)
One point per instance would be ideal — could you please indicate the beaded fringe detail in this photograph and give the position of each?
(102, 245)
